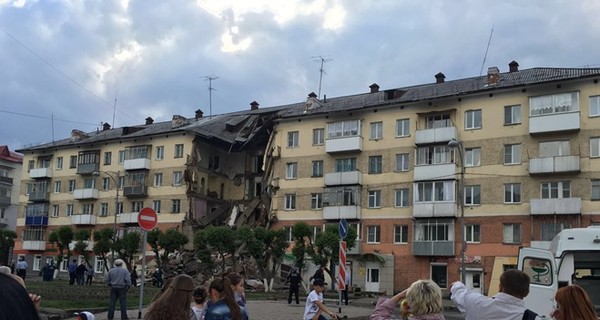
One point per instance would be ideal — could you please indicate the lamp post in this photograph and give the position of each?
(457, 145)
(112, 175)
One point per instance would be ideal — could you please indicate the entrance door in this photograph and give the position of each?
(473, 280)
(372, 281)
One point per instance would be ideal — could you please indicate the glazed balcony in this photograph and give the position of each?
(345, 144)
(40, 173)
(555, 122)
(343, 178)
(137, 164)
(558, 164)
(83, 219)
(135, 191)
(129, 217)
(34, 245)
(435, 135)
(555, 206)
(434, 209)
(434, 171)
(341, 212)
(433, 248)
(87, 169)
(85, 194)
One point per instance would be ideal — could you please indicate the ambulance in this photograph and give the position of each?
(573, 258)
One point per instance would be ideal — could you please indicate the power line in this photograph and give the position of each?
(46, 118)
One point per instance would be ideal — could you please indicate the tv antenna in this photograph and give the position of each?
(321, 70)
(486, 51)
(210, 79)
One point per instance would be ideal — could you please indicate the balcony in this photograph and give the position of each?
(434, 209)
(37, 196)
(341, 212)
(6, 180)
(40, 173)
(85, 194)
(435, 135)
(433, 248)
(135, 191)
(83, 219)
(4, 222)
(343, 178)
(89, 245)
(555, 206)
(434, 171)
(346, 144)
(4, 201)
(34, 245)
(137, 164)
(129, 217)
(556, 122)
(36, 221)
(87, 169)
(558, 164)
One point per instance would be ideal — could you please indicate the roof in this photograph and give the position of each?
(6, 154)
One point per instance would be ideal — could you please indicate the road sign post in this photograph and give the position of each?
(147, 220)
(343, 228)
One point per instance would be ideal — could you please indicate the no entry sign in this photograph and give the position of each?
(147, 219)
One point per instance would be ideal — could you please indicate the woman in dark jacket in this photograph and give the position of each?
(223, 305)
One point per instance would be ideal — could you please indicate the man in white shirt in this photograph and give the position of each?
(506, 305)
(314, 303)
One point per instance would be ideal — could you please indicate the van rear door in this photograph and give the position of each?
(540, 266)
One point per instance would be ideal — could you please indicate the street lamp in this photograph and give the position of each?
(112, 176)
(457, 145)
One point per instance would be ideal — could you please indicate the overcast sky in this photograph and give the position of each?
(69, 60)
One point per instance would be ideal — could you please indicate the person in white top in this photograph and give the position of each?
(506, 305)
(315, 308)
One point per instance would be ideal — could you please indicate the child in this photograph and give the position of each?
(314, 303)
(200, 295)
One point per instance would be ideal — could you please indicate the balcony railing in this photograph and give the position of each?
(555, 206)
(4, 201)
(85, 169)
(83, 219)
(34, 245)
(346, 144)
(129, 217)
(135, 191)
(433, 248)
(343, 178)
(6, 180)
(36, 221)
(569, 121)
(341, 212)
(434, 209)
(37, 196)
(137, 164)
(435, 135)
(40, 173)
(558, 164)
(434, 171)
(84, 194)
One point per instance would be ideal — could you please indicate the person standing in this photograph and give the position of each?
(22, 268)
(319, 274)
(119, 281)
(346, 287)
(294, 279)
(223, 304)
(90, 275)
(72, 268)
(80, 272)
(175, 302)
(506, 305)
(573, 303)
(158, 278)
(134, 276)
(200, 294)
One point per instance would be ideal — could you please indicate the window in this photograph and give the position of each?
(512, 193)
(177, 176)
(433, 155)
(342, 196)
(595, 189)
(511, 233)
(317, 168)
(160, 152)
(59, 163)
(376, 130)
(290, 201)
(472, 233)
(374, 198)
(107, 158)
(345, 165)
(57, 186)
(88, 208)
(554, 103)
(318, 136)
(121, 156)
(178, 151)
(550, 230)
(595, 147)
(341, 129)
(512, 114)
(472, 157)
(105, 184)
(289, 235)
(104, 209)
(556, 190)
(401, 234)
(439, 275)
(69, 210)
(512, 153)
(156, 206)
(73, 162)
(37, 261)
(316, 200)
(119, 207)
(71, 185)
(373, 234)
(99, 265)
(356, 226)
(375, 164)
(291, 171)
(434, 191)
(402, 128)
(89, 183)
(434, 230)
(438, 121)
(158, 178)
(472, 195)
(402, 162)
(137, 206)
(121, 182)
(293, 137)
(555, 148)
(55, 211)
(401, 198)
(594, 106)
(176, 206)
(316, 230)
(473, 119)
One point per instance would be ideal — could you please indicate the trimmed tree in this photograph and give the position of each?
(61, 238)
(267, 247)
(127, 246)
(7, 241)
(82, 238)
(325, 250)
(220, 241)
(102, 243)
(168, 242)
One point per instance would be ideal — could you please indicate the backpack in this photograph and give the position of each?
(529, 315)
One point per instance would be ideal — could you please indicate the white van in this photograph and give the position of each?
(573, 258)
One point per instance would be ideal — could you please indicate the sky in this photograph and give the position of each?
(75, 64)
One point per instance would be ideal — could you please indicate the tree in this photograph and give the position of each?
(219, 240)
(127, 246)
(168, 242)
(7, 241)
(82, 238)
(102, 243)
(61, 238)
(267, 247)
(301, 233)
(325, 250)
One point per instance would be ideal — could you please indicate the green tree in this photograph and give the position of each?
(301, 233)
(168, 242)
(103, 243)
(7, 241)
(220, 240)
(325, 250)
(127, 246)
(61, 238)
(82, 237)
(267, 247)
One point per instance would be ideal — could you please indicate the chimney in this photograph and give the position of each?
(77, 135)
(312, 95)
(199, 114)
(149, 120)
(374, 88)
(105, 126)
(254, 105)
(513, 66)
(493, 76)
(312, 101)
(178, 121)
(439, 78)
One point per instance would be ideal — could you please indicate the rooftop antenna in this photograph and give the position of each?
(321, 70)
(115, 107)
(486, 51)
(210, 79)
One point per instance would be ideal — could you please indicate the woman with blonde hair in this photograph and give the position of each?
(424, 298)
(573, 303)
(175, 302)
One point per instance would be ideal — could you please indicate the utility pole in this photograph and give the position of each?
(210, 79)
(321, 70)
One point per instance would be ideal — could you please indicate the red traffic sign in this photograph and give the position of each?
(147, 219)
